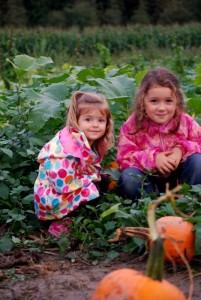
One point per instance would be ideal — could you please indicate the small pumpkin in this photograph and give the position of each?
(178, 234)
(112, 165)
(113, 184)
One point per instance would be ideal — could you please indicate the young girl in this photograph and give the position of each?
(70, 172)
(159, 142)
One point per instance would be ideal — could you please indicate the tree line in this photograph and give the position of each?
(86, 13)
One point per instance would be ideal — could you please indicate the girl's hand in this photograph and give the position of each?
(176, 156)
(90, 169)
(165, 164)
(98, 179)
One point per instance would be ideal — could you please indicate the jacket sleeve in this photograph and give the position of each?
(68, 178)
(190, 143)
(129, 153)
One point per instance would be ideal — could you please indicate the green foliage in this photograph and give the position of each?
(33, 109)
(104, 54)
(81, 47)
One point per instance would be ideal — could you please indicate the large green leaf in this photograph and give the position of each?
(116, 86)
(47, 104)
(127, 69)
(27, 63)
(84, 74)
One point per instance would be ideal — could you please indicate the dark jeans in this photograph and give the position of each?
(102, 186)
(135, 183)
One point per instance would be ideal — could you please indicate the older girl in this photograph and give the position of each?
(159, 142)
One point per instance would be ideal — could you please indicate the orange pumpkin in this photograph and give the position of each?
(112, 185)
(178, 233)
(112, 165)
(128, 284)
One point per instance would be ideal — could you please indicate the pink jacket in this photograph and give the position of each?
(140, 149)
(62, 183)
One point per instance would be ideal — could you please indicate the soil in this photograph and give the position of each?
(47, 275)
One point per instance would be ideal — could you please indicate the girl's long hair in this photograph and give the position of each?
(162, 77)
(88, 100)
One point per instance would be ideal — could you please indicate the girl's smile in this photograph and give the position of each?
(160, 104)
(93, 124)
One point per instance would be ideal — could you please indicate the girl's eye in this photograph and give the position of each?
(102, 120)
(153, 101)
(170, 100)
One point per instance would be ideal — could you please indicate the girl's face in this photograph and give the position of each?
(93, 124)
(160, 104)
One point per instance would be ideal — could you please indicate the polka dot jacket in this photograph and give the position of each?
(62, 185)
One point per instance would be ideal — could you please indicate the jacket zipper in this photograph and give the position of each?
(161, 140)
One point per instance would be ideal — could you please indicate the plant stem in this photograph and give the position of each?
(155, 263)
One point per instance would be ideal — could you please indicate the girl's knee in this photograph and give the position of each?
(194, 162)
(131, 175)
(130, 181)
(192, 172)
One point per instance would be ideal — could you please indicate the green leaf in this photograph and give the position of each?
(197, 80)
(112, 254)
(139, 76)
(99, 231)
(5, 244)
(48, 105)
(56, 91)
(127, 69)
(110, 225)
(84, 74)
(27, 63)
(196, 188)
(16, 240)
(24, 62)
(195, 219)
(116, 86)
(110, 211)
(63, 243)
(7, 152)
(195, 104)
(96, 253)
(5, 191)
(169, 209)
(42, 61)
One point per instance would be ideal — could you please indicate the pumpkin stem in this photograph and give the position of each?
(155, 263)
(140, 232)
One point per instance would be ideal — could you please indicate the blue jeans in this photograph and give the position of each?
(136, 183)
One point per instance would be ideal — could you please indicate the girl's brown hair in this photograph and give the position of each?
(88, 100)
(165, 78)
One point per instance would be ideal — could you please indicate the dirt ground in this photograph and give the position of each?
(46, 275)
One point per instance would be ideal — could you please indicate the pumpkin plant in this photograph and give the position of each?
(134, 285)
